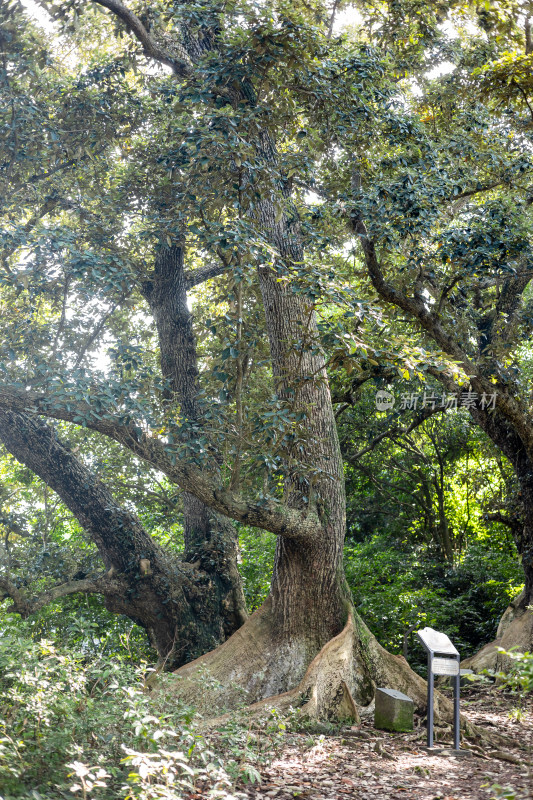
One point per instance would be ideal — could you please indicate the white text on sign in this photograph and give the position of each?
(445, 666)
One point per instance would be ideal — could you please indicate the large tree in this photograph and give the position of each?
(200, 171)
(136, 181)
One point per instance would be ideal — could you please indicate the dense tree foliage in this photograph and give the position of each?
(211, 214)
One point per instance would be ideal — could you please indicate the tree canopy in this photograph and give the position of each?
(224, 226)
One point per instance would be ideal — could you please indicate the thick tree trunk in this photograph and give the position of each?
(305, 639)
(504, 437)
(309, 595)
(205, 532)
(182, 608)
(309, 599)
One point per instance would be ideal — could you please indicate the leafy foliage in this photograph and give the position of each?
(257, 559)
(400, 588)
(104, 162)
(520, 677)
(72, 726)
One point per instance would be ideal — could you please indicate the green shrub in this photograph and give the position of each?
(89, 730)
(257, 562)
(85, 625)
(519, 679)
(399, 588)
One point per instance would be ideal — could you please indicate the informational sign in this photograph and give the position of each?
(445, 666)
(436, 642)
(437, 645)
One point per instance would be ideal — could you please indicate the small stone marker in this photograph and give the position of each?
(394, 711)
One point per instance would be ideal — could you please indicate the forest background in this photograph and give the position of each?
(225, 229)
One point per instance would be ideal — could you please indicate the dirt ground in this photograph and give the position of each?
(364, 763)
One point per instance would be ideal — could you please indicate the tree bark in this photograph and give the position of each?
(183, 610)
(204, 530)
(309, 602)
(309, 594)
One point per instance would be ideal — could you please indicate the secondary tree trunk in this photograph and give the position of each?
(182, 608)
(308, 613)
(205, 532)
(504, 437)
(187, 607)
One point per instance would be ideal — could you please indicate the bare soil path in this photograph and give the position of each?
(364, 763)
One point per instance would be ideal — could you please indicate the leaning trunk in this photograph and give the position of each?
(516, 625)
(178, 604)
(186, 607)
(504, 437)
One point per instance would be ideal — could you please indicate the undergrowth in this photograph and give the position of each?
(89, 730)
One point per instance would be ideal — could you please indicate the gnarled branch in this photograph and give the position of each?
(268, 514)
(197, 276)
(176, 57)
(515, 524)
(25, 605)
(508, 405)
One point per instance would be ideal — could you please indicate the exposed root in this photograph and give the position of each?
(503, 756)
(516, 630)
(337, 685)
(476, 733)
(249, 667)
(324, 692)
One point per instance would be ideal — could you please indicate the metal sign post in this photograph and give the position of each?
(438, 643)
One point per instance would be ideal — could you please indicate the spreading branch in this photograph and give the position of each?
(429, 321)
(268, 514)
(197, 276)
(174, 55)
(397, 432)
(515, 524)
(25, 605)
